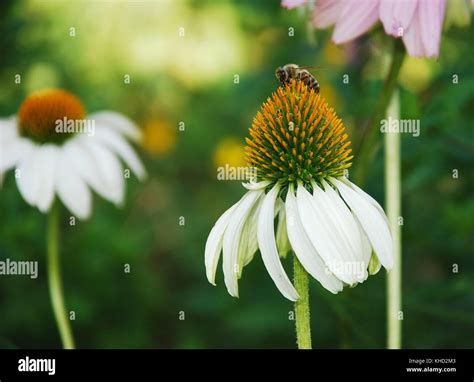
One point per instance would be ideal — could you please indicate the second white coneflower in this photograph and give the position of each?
(337, 232)
(56, 159)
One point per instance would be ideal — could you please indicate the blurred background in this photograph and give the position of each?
(89, 48)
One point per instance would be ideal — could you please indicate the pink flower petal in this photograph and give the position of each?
(430, 16)
(326, 12)
(290, 4)
(356, 18)
(396, 15)
(412, 38)
(423, 36)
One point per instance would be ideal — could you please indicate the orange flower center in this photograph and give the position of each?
(43, 113)
(297, 136)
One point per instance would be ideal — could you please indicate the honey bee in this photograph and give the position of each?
(289, 72)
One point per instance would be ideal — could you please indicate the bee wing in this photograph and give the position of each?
(309, 68)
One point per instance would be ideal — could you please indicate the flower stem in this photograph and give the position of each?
(302, 317)
(393, 207)
(368, 145)
(54, 279)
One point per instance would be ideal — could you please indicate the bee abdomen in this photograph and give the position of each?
(309, 81)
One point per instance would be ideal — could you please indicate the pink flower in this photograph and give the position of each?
(290, 4)
(417, 22)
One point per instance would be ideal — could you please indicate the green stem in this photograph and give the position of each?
(302, 317)
(393, 207)
(368, 146)
(54, 279)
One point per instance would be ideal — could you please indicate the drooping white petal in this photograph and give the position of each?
(110, 171)
(268, 249)
(248, 242)
(366, 247)
(373, 263)
(118, 122)
(116, 143)
(318, 231)
(28, 176)
(46, 160)
(304, 249)
(232, 235)
(371, 220)
(214, 244)
(344, 220)
(365, 195)
(350, 230)
(366, 252)
(72, 189)
(342, 230)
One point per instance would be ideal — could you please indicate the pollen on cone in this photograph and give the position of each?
(296, 136)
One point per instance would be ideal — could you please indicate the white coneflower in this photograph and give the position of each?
(337, 232)
(57, 150)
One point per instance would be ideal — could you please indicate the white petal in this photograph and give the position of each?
(366, 247)
(110, 171)
(348, 227)
(268, 249)
(344, 220)
(13, 152)
(248, 242)
(12, 147)
(72, 189)
(304, 249)
(85, 163)
(118, 122)
(116, 143)
(8, 130)
(346, 237)
(214, 244)
(29, 176)
(365, 195)
(318, 231)
(371, 220)
(47, 157)
(255, 186)
(231, 241)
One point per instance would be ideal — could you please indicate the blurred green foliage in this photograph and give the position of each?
(190, 79)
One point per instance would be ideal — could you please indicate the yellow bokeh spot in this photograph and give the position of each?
(330, 95)
(416, 74)
(334, 55)
(229, 151)
(159, 137)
